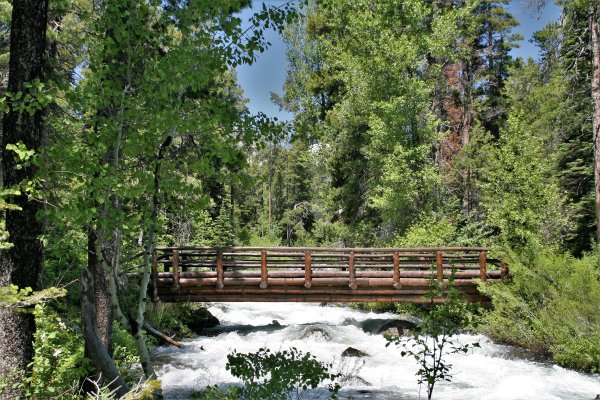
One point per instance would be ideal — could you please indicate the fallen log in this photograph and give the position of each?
(157, 334)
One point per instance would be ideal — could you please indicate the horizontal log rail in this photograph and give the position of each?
(317, 274)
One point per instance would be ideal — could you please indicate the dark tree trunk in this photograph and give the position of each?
(99, 294)
(595, 36)
(22, 264)
(102, 298)
(96, 349)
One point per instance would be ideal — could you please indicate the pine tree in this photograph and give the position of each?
(22, 264)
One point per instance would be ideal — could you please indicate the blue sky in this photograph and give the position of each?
(267, 74)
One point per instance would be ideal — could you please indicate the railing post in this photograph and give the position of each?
(307, 270)
(439, 262)
(396, 274)
(263, 269)
(220, 279)
(176, 269)
(154, 293)
(483, 265)
(351, 271)
(503, 270)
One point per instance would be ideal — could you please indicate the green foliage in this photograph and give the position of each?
(438, 231)
(269, 239)
(520, 196)
(215, 393)
(58, 364)
(13, 297)
(283, 375)
(149, 390)
(174, 319)
(434, 337)
(126, 356)
(550, 306)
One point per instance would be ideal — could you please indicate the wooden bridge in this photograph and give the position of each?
(311, 274)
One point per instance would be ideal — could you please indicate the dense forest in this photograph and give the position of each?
(124, 129)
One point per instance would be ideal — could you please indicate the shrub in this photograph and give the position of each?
(126, 356)
(58, 364)
(551, 306)
(282, 375)
(433, 339)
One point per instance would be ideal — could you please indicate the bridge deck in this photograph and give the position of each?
(309, 274)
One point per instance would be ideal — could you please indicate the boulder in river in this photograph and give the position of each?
(352, 352)
(353, 380)
(315, 331)
(378, 325)
(398, 327)
(202, 319)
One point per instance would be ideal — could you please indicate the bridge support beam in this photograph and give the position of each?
(176, 269)
(439, 261)
(483, 265)
(351, 271)
(220, 283)
(263, 269)
(307, 270)
(396, 273)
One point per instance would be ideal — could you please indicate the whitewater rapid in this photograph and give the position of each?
(491, 372)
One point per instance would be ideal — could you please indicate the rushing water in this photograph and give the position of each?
(492, 372)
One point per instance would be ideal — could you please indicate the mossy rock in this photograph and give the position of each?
(150, 390)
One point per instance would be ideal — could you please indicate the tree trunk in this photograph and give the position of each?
(596, 107)
(97, 350)
(102, 299)
(102, 310)
(22, 265)
(466, 126)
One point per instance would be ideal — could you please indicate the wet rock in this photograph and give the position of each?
(378, 325)
(353, 380)
(398, 327)
(352, 352)
(313, 331)
(242, 329)
(202, 319)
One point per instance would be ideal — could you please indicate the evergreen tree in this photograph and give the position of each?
(23, 124)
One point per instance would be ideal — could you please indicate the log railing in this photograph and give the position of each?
(318, 274)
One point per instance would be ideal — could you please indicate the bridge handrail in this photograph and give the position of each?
(313, 271)
(332, 249)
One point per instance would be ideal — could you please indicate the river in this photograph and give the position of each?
(491, 372)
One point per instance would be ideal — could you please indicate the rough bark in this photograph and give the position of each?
(98, 352)
(102, 310)
(102, 298)
(595, 36)
(22, 264)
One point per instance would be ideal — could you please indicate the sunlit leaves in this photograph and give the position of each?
(280, 375)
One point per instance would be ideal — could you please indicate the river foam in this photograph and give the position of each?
(491, 372)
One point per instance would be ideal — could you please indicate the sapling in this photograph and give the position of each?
(435, 337)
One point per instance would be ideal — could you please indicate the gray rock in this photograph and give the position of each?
(398, 327)
(353, 380)
(352, 352)
(315, 331)
(202, 319)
